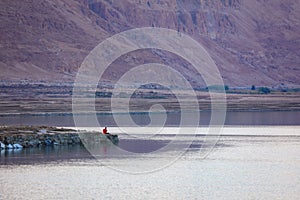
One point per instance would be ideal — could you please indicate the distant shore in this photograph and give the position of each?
(44, 99)
(45, 105)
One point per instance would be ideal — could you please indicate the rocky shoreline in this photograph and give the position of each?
(14, 137)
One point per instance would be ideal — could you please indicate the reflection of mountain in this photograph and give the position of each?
(252, 42)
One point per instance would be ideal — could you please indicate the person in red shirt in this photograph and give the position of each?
(104, 131)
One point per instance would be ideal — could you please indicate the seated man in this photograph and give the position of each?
(104, 131)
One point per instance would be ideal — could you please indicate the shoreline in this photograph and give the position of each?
(266, 130)
(141, 112)
(18, 137)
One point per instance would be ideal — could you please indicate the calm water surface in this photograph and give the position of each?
(255, 164)
(173, 119)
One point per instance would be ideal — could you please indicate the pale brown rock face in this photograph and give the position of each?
(252, 42)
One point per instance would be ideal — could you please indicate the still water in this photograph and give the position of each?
(172, 119)
(245, 163)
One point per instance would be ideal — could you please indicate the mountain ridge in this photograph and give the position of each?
(252, 42)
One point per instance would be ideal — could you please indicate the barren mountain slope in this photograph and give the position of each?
(253, 42)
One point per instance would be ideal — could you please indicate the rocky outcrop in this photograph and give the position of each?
(37, 140)
(29, 137)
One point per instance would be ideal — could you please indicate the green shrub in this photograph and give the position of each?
(217, 87)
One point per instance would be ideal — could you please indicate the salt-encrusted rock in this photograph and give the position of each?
(17, 146)
(2, 145)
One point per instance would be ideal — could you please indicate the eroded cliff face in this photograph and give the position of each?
(252, 42)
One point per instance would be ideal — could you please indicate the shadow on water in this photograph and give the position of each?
(138, 146)
(149, 146)
(43, 154)
(142, 145)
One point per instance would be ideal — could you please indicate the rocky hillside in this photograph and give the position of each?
(253, 42)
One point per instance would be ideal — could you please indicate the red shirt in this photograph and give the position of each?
(104, 131)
